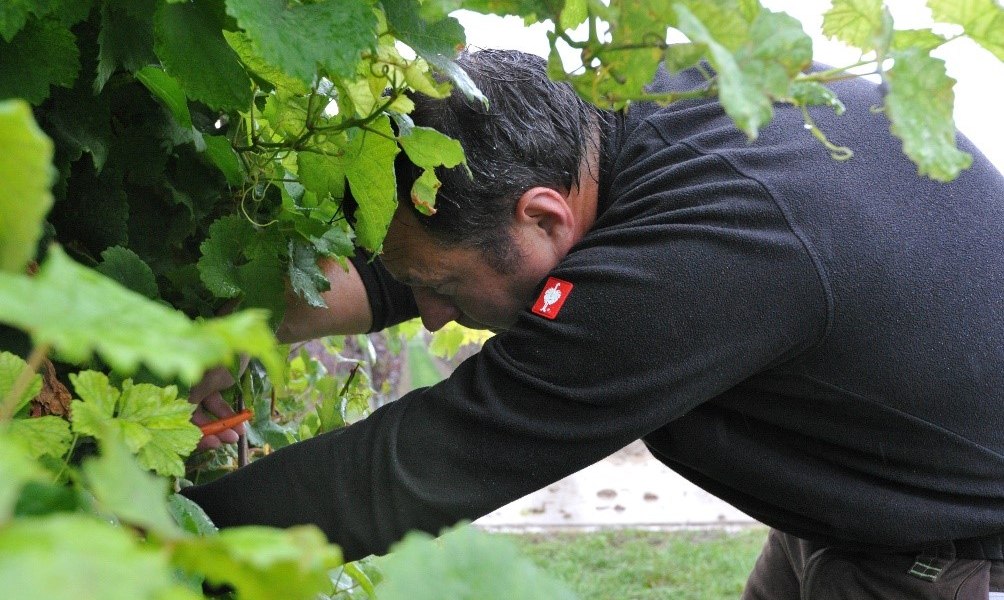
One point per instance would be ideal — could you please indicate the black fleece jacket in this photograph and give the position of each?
(819, 343)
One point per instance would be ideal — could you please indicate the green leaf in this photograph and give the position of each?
(71, 555)
(190, 44)
(300, 37)
(253, 60)
(856, 22)
(221, 153)
(811, 93)
(748, 106)
(128, 492)
(925, 39)
(40, 499)
(263, 563)
(439, 38)
(42, 436)
(125, 38)
(334, 242)
(190, 516)
(16, 469)
(982, 20)
(240, 260)
(126, 267)
(151, 421)
(369, 167)
(80, 122)
(80, 312)
(465, 565)
(428, 148)
(322, 174)
(305, 276)
(452, 337)
(43, 54)
(11, 366)
(166, 89)
(573, 14)
(423, 192)
(919, 105)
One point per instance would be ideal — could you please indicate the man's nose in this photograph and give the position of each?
(434, 309)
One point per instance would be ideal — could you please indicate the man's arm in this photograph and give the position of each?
(348, 312)
(348, 309)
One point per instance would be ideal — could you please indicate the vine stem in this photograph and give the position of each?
(38, 354)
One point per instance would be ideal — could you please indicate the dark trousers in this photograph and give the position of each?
(790, 568)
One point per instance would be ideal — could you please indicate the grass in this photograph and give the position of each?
(647, 565)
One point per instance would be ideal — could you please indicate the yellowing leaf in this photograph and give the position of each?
(25, 174)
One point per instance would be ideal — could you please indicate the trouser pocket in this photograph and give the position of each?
(832, 574)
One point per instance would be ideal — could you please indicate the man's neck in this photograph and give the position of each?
(583, 199)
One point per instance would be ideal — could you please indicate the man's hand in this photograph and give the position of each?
(212, 406)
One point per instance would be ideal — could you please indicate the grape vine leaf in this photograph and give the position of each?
(300, 37)
(16, 469)
(239, 259)
(428, 148)
(749, 107)
(263, 563)
(369, 167)
(442, 37)
(125, 38)
(45, 557)
(221, 153)
(423, 192)
(11, 366)
(41, 55)
(919, 105)
(166, 89)
(253, 60)
(125, 490)
(982, 20)
(924, 39)
(322, 174)
(190, 44)
(126, 267)
(151, 421)
(769, 54)
(305, 276)
(452, 337)
(80, 312)
(190, 516)
(25, 175)
(855, 22)
(465, 564)
(334, 242)
(42, 436)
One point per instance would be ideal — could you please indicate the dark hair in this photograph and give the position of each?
(534, 132)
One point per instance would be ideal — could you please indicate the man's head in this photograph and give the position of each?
(531, 196)
(535, 132)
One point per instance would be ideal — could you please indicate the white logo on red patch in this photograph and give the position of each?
(552, 297)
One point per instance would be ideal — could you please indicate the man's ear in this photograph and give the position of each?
(545, 215)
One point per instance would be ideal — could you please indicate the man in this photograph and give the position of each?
(819, 343)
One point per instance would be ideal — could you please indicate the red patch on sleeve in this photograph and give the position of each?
(552, 298)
